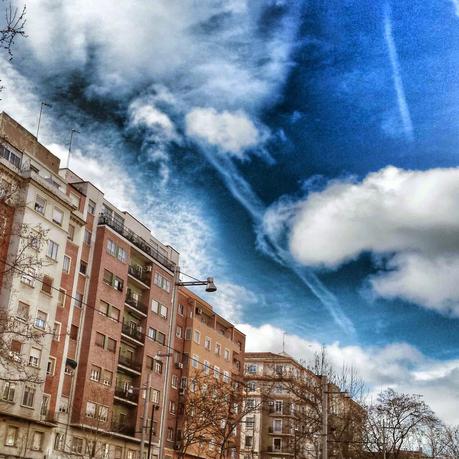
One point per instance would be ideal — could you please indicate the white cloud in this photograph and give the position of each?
(397, 365)
(232, 132)
(409, 217)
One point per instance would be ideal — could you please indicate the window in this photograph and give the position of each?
(218, 348)
(61, 297)
(251, 368)
(102, 413)
(40, 320)
(206, 367)
(71, 233)
(248, 441)
(116, 251)
(277, 444)
(197, 336)
(195, 361)
(100, 339)
(51, 366)
(188, 333)
(156, 335)
(108, 378)
(122, 255)
(163, 311)
(277, 425)
(8, 391)
(87, 238)
(52, 250)
(251, 386)
(155, 306)
(158, 366)
(16, 348)
(23, 311)
(40, 205)
(90, 410)
(178, 332)
(162, 282)
(278, 406)
(83, 267)
(114, 313)
(103, 308)
(44, 405)
(78, 300)
(216, 372)
(28, 277)
(250, 403)
(170, 434)
(111, 247)
(155, 396)
(59, 442)
(95, 373)
(34, 357)
(75, 200)
(28, 396)
(172, 407)
(58, 216)
(77, 445)
(174, 382)
(11, 436)
(47, 285)
(111, 345)
(73, 332)
(91, 207)
(181, 309)
(250, 422)
(227, 354)
(208, 343)
(226, 376)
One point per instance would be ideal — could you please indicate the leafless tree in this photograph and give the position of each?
(396, 422)
(13, 26)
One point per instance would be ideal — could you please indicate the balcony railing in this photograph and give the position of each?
(139, 242)
(285, 411)
(129, 363)
(125, 394)
(136, 304)
(139, 273)
(121, 428)
(133, 332)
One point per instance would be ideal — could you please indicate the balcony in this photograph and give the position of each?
(132, 332)
(123, 429)
(140, 274)
(136, 240)
(284, 431)
(136, 304)
(125, 394)
(280, 450)
(285, 411)
(129, 363)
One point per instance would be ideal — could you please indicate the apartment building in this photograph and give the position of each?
(288, 411)
(204, 343)
(104, 300)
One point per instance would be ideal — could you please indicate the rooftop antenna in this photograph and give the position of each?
(43, 104)
(73, 131)
(283, 343)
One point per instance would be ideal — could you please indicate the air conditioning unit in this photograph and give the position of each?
(148, 269)
(179, 365)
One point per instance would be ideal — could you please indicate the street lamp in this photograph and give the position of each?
(209, 283)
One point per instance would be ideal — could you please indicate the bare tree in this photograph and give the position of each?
(396, 422)
(13, 27)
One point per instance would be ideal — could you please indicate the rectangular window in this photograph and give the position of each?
(122, 255)
(248, 441)
(100, 339)
(73, 332)
(172, 407)
(181, 309)
(188, 333)
(40, 320)
(40, 205)
(118, 283)
(58, 216)
(75, 200)
(170, 434)
(91, 207)
(114, 313)
(78, 300)
(111, 345)
(71, 233)
(34, 357)
(155, 306)
(155, 396)
(195, 361)
(23, 311)
(8, 392)
(111, 247)
(227, 354)
(216, 372)
(51, 366)
(90, 410)
(277, 444)
(87, 237)
(61, 297)
(218, 348)
(11, 436)
(174, 382)
(95, 373)
(226, 377)
(47, 285)
(251, 368)
(277, 425)
(103, 308)
(158, 366)
(206, 367)
(178, 332)
(83, 267)
(163, 311)
(197, 337)
(57, 331)
(28, 277)
(108, 378)
(28, 395)
(208, 343)
(162, 282)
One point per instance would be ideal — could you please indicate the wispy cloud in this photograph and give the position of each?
(397, 75)
(456, 6)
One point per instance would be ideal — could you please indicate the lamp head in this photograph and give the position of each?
(210, 286)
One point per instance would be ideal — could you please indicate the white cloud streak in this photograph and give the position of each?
(456, 6)
(397, 75)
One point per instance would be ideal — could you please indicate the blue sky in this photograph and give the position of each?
(303, 153)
